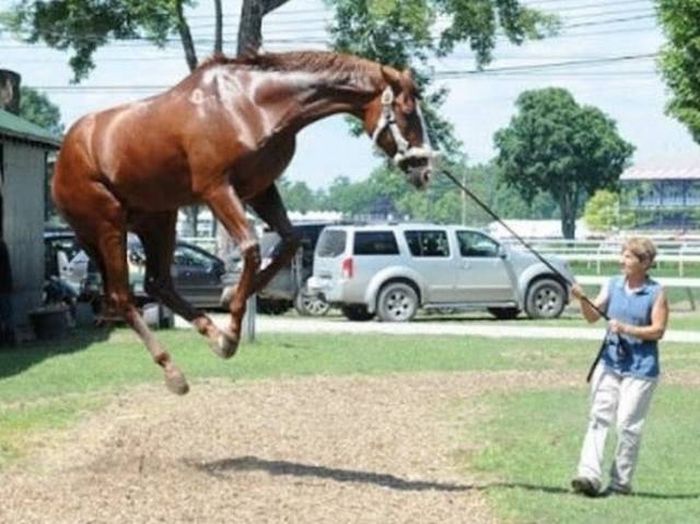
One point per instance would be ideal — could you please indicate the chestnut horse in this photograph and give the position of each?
(221, 137)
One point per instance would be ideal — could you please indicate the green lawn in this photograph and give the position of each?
(532, 441)
(681, 318)
(529, 439)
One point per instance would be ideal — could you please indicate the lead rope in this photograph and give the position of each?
(544, 261)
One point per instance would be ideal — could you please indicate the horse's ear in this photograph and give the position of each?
(400, 83)
(393, 78)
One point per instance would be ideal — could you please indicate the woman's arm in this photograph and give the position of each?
(655, 330)
(588, 311)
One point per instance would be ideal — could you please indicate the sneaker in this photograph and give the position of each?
(617, 489)
(586, 486)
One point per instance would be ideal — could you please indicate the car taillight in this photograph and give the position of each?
(347, 268)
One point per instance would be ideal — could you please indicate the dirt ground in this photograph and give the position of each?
(319, 449)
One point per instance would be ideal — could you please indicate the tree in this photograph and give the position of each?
(297, 196)
(680, 60)
(390, 31)
(602, 212)
(38, 109)
(400, 32)
(557, 146)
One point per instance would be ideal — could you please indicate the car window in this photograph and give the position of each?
(474, 244)
(331, 244)
(432, 243)
(375, 243)
(185, 256)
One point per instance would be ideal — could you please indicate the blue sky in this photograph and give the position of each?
(630, 91)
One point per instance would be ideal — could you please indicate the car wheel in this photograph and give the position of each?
(398, 302)
(546, 298)
(272, 307)
(357, 313)
(504, 313)
(310, 305)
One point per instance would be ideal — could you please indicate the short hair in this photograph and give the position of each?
(641, 247)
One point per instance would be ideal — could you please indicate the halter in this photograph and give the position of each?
(404, 150)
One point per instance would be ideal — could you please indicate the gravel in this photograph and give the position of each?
(317, 449)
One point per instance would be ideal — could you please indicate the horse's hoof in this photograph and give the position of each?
(226, 345)
(175, 381)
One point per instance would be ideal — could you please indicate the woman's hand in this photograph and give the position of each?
(616, 326)
(577, 292)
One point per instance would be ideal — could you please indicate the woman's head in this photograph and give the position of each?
(638, 254)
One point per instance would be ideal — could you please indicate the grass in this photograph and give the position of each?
(681, 318)
(534, 454)
(529, 439)
(39, 371)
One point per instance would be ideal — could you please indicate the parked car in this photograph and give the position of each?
(198, 275)
(393, 270)
(287, 288)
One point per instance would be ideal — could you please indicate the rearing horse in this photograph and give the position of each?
(220, 137)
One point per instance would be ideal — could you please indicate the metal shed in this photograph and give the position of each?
(24, 152)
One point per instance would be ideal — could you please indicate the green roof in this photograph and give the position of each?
(16, 127)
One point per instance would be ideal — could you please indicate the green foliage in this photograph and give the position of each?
(385, 192)
(84, 25)
(680, 60)
(394, 32)
(297, 196)
(38, 109)
(602, 212)
(400, 33)
(555, 145)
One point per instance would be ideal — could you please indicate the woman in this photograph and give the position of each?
(626, 376)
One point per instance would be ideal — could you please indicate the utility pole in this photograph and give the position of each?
(464, 199)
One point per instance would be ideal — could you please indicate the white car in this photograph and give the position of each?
(393, 270)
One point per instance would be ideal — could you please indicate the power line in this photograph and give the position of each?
(442, 74)
(550, 65)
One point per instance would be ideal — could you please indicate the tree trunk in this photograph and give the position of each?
(250, 27)
(568, 216)
(186, 37)
(219, 28)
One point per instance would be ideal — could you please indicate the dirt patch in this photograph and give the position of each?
(321, 449)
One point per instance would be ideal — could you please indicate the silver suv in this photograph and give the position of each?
(393, 270)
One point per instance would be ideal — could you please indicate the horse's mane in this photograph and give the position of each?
(309, 61)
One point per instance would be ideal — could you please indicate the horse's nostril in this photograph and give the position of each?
(426, 176)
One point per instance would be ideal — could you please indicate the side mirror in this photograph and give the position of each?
(501, 252)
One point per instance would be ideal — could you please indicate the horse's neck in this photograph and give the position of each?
(314, 96)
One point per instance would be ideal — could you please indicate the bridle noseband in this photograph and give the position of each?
(404, 150)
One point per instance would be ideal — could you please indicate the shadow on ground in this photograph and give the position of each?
(220, 468)
(20, 357)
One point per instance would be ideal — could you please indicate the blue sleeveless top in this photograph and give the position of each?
(635, 357)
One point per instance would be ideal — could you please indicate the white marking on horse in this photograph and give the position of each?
(231, 94)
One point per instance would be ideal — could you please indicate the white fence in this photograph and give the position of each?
(595, 252)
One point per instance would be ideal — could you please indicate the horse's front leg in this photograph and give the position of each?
(229, 210)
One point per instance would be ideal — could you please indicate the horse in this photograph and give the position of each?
(219, 137)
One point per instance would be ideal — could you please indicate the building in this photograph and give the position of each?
(24, 154)
(663, 196)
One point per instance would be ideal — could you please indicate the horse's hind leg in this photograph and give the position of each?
(157, 234)
(99, 220)
(270, 208)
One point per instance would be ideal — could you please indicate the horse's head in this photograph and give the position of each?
(394, 120)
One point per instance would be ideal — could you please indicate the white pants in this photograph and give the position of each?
(625, 400)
